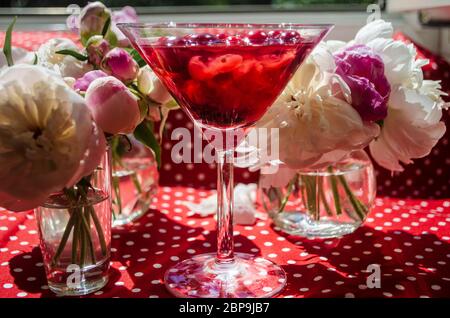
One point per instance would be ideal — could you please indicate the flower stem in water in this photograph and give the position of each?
(334, 189)
(357, 205)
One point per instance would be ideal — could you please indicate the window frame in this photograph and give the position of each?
(63, 11)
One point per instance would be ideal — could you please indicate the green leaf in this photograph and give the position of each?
(35, 61)
(106, 27)
(144, 133)
(143, 107)
(137, 57)
(73, 53)
(7, 44)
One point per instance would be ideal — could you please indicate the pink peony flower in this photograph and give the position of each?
(83, 82)
(119, 63)
(114, 107)
(363, 71)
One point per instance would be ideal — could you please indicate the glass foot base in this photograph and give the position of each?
(127, 218)
(247, 277)
(84, 288)
(301, 224)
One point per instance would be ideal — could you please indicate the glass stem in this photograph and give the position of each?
(225, 243)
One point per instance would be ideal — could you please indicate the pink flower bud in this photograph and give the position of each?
(120, 64)
(114, 108)
(83, 82)
(96, 48)
(92, 20)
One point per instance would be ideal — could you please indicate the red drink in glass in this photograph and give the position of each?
(225, 86)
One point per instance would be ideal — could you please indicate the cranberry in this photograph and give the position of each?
(204, 39)
(275, 34)
(257, 37)
(234, 40)
(276, 37)
(292, 37)
(163, 41)
(222, 36)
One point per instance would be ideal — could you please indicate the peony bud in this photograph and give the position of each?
(114, 108)
(159, 93)
(150, 85)
(145, 80)
(83, 82)
(96, 48)
(92, 20)
(119, 63)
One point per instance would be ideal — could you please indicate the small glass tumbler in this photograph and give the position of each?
(75, 234)
(323, 203)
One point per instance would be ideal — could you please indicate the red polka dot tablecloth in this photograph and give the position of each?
(408, 239)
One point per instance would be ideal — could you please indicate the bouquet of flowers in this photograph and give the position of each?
(58, 108)
(346, 96)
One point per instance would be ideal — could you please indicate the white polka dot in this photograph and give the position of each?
(304, 289)
(7, 286)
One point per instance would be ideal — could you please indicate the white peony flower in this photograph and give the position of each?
(19, 56)
(410, 130)
(315, 127)
(65, 65)
(48, 139)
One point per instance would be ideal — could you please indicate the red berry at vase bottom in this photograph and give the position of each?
(227, 80)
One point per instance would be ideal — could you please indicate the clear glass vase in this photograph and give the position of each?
(75, 234)
(134, 179)
(326, 203)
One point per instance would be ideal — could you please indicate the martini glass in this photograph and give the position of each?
(225, 77)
